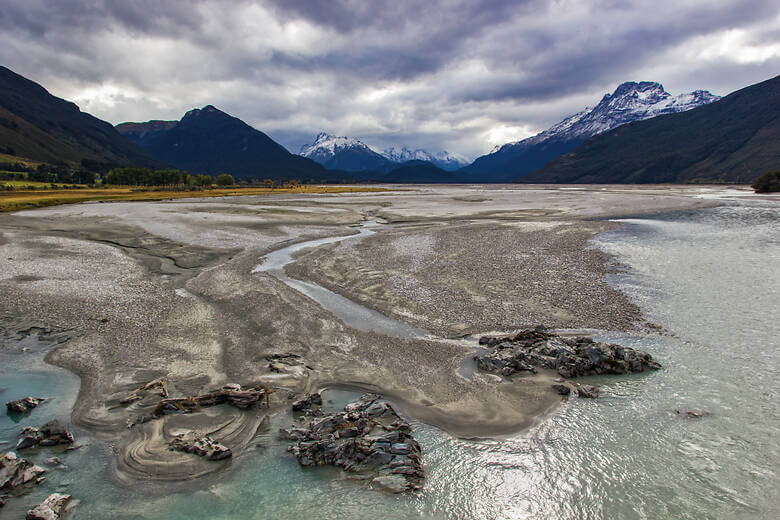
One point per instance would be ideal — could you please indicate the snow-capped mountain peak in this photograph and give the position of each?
(631, 101)
(325, 146)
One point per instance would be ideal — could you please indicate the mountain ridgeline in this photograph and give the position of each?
(630, 101)
(351, 154)
(734, 140)
(209, 141)
(37, 125)
(638, 134)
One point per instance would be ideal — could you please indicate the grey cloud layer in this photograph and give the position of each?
(454, 74)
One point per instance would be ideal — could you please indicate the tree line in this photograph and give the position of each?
(61, 173)
(149, 177)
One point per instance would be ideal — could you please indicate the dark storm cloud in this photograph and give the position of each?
(448, 73)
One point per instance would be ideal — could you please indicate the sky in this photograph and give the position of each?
(458, 75)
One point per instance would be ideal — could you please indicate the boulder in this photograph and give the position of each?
(562, 389)
(588, 391)
(16, 471)
(49, 509)
(307, 402)
(24, 405)
(204, 446)
(368, 439)
(570, 357)
(50, 434)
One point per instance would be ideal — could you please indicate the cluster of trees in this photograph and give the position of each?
(148, 177)
(53, 173)
(768, 183)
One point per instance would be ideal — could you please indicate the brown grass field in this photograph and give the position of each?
(27, 199)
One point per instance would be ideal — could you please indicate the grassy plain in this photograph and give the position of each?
(20, 199)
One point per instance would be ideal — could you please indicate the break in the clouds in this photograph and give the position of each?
(453, 74)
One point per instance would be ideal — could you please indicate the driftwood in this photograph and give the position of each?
(137, 394)
(231, 394)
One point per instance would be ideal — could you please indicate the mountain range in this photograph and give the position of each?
(37, 125)
(207, 140)
(639, 133)
(630, 101)
(733, 140)
(352, 154)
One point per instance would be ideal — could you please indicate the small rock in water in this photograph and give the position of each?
(51, 434)
(588, 391)
(562, 389)
(367, 439)
(49, 509)
(202, 446)
(16, 471)
(24, 405)
(693, 414)
(55, 461)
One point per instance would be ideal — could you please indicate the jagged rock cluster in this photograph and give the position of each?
(24, 405)
(203, 446)
(367, 439)
(50, 434)
(570, 357)
(16, 471)
(49, 509)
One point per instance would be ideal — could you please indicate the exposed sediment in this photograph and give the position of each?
(165, 291)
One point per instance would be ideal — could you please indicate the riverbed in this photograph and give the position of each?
(707, 277)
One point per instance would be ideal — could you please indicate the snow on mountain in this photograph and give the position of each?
(444, 159)
(326, 146)
(631, 101)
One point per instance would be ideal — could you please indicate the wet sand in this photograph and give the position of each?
(166, 289)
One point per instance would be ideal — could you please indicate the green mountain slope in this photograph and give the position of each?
(207, 140)
(37, 125)
(735, 139)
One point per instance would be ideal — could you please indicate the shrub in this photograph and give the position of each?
(225, 179)
(768, 183)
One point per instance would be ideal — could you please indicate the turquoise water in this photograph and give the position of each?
(709, 277)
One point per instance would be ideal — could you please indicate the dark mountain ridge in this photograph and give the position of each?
(630, 101)
(207, 140)
(37, 125)
(735, 139)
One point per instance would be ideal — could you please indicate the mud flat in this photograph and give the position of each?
(166, 290)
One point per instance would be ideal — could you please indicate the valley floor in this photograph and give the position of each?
(148, 290)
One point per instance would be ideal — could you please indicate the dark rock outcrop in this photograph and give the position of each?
(587, 391)
(562, 389)
(49, 509)
(24, 405)
(307, 402)
(570, 357)
(367, 439)
(202, 446)
(16, 471)
(50, 434)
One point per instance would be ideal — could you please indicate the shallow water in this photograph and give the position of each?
(351, 313)
(709, 277)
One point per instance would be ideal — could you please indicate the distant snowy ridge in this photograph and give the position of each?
(327, 146)
(444, 159)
